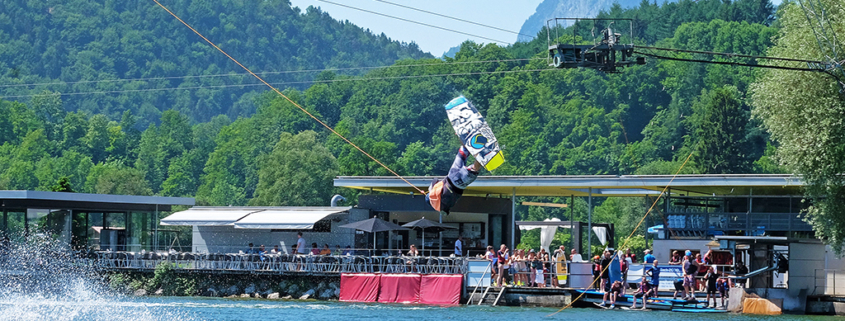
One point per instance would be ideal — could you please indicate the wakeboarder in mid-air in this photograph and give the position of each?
(478, 140)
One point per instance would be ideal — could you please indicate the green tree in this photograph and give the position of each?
(116, 178)
(97, 137)
(805, 114)
(298, 172)
(63, 185)
(719, 123)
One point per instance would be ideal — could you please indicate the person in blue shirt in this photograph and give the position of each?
(250, 250)
(655, 275)
(648, 258)
(261, 252)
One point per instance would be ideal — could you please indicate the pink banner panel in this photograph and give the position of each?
(399, 288)
(441, 289)
(359, 287)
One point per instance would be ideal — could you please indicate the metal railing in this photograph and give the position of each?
(277, 263)
(826, 282)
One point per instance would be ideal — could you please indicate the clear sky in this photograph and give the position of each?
(504, 14)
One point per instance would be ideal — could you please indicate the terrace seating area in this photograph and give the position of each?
(276, 263)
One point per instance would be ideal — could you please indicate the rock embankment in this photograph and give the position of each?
(274, 287)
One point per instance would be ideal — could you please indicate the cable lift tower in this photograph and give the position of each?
(608, 53)
(829, 46)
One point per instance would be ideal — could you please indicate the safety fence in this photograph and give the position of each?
(277, 263)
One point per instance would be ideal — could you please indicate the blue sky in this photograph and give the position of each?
(504, 14)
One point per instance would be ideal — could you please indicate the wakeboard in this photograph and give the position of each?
(475, 133)
(561, 269)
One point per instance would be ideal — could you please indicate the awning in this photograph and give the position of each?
(208, 216)
(289, 218)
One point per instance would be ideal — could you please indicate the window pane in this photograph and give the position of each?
(16, 224)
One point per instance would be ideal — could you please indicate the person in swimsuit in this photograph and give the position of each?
(710, 278)
(444, 193)
(643, 291)
(723, 285)
(615, 290)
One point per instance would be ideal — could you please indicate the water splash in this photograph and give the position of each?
(41, 279)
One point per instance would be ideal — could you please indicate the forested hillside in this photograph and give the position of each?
(644, 120)
(74, 47)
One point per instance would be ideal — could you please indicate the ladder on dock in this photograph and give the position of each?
(488, 295)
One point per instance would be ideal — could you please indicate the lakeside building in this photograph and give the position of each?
(92, 221)
(753, 218)
(226, 229)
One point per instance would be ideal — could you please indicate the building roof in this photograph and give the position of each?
(84, 201)
(602, 185)
(285, 218)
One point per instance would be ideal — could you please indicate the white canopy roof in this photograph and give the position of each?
(208, 216)
(288, 218)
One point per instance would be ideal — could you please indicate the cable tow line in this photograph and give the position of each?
(286, 97)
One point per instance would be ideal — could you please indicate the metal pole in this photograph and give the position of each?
(155, 230)
(440, 234)
(571, 224)
(590, 223)
(513, 218)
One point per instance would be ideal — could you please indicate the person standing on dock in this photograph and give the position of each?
(606, 259)
(690, 270)
(459, 246)
(596, 272)
(502, 259)
(710, 279)
(648, 258)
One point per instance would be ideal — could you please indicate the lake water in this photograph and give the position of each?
(179, 308)
(39, 282)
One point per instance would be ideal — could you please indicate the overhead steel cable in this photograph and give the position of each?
(288, 99)
(271, 72)
(730, 63)
(413, 21)
(453, 18)
(280, 83)
(727, 54)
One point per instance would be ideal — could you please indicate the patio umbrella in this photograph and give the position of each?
(424, 224)
(374, 225)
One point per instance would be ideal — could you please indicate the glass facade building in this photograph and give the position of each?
(94, 221)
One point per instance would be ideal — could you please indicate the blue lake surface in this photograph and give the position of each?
(181, 308)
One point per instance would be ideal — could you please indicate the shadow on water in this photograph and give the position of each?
(42, 279)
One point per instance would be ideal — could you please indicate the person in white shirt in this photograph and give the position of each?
(459, 248)
(301, 247)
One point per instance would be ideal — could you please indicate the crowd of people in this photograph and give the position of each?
(531, 269)
(700, 273)
(302, 248)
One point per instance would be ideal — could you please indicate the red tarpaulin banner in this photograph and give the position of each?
(360, 287)
(399, 288)
(441, 289)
